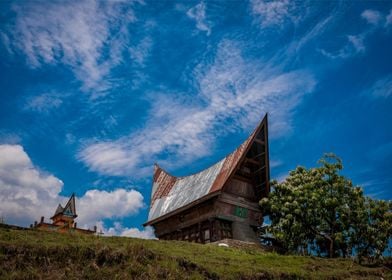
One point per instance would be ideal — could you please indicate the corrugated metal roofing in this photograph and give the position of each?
(170, 193)
(184, 191)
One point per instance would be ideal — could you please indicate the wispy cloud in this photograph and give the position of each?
(27, 193)
(44, 102)
(282, 16)
(198, 13)
(271, 13)
(140, 52)
(389, 18)
(382, 88)
(275, 163)
(377, 19)
(383, 151)
(355, 44)
(376, 188)
(372, 16)
(233, 92)
(87, 36)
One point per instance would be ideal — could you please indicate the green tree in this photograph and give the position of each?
(319, 210)
(373, 229)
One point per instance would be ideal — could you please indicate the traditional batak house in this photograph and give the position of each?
(217, 203)
(63, 220)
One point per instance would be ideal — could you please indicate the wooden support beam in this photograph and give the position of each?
(259, 141)
(258, 155)
(251, 160)
(242, 178)
(257, 170)
(261, 185)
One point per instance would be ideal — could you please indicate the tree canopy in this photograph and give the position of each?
(319, 211)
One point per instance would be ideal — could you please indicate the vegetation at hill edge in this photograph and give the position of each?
(30, 254)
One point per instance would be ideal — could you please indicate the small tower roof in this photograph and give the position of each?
(59, 210)
(68, 210)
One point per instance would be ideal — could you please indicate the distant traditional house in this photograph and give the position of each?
(63, 220)
(217, 203)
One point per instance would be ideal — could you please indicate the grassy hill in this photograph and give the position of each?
(32, 254)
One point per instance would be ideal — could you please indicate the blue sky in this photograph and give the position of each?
(93, 93)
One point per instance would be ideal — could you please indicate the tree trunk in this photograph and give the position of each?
(330, 248)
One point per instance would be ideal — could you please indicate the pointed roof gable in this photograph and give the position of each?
(68, 210)
(59, 210)
(170, 193)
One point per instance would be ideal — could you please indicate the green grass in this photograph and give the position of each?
(45, 255)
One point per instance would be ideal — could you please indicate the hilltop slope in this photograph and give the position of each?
(34, 254)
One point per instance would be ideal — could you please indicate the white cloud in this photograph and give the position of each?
(147, 233)
(44, 102)
(377, 188)
(140, 52)
(382, 88)
(27, 193)
(95, 205)
(389, 18)
(233, 95)
(316, 31)
(70, 138)
(198, 13)
(275, 163)
(119, 230)
(271, 13)
(108, 158)
(354, 45)
(371, 16)
(357, 42)
(88, 36)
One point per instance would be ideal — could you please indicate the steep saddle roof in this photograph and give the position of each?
(68, 210)
(170, 193)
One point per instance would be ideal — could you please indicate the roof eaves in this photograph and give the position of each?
(178, 210)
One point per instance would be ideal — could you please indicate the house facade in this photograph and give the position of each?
(217, 203)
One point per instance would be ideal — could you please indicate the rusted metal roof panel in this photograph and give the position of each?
(163, 183)
(230, 163)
